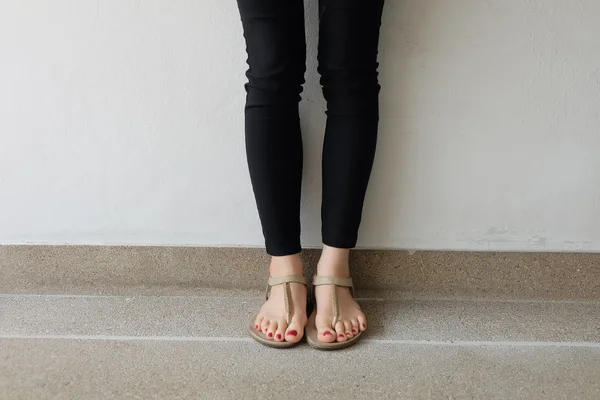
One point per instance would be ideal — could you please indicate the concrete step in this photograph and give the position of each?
(159, 322)
(186, 270)
(180, 347)
(167, 369)
(226, 315)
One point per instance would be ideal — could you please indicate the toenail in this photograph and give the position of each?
(326, 333)
(364, 325)
(292, 333)
(270, 334)
(353, 330)
(278, 336)
(341, 335)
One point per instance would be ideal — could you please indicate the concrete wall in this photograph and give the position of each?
(121, 123)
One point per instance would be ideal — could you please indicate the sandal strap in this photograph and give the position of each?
(278, 280)
(285, 281)
(334, 282)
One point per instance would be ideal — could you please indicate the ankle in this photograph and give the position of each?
(286, 265)
(334, 262)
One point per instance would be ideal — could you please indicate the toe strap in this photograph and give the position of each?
(334, 281)
(285, 281)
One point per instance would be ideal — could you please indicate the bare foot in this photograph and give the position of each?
(334, 262)
(272, 319)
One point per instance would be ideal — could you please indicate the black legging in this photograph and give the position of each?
(276, 46)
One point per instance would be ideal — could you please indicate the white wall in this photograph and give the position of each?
(121, 123)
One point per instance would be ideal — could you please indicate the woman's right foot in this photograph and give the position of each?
(272, 318)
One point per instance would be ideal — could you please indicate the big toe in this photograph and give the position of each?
(325, 334)
(294, 332)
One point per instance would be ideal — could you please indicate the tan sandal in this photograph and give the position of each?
(285, 281)
(311, 329)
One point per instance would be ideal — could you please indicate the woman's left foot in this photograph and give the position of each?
(334, 262)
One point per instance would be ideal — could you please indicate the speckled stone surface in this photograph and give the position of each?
(169, 323)
(226, 315)
(71, 369)
(184, 270)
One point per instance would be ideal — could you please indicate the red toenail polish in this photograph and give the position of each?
(341, 335)
(270, 334)
(292, 333)
(326, 333)
(278, 336)
(353, 330)
(364, 325)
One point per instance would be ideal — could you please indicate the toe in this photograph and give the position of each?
(348, 329)
(258, 322)
(362, 322)
(355, 326)
(272, 329)
(340, 331)
(326, 334)
(295, 331)
(280, 332)
(264, 325)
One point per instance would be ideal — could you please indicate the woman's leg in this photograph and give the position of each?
(348, 43)
(275, 42)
